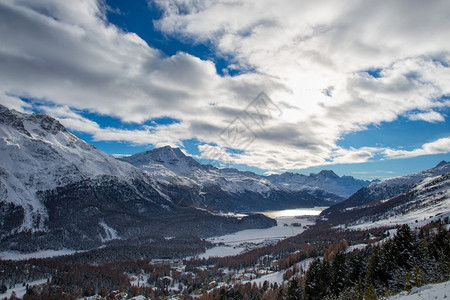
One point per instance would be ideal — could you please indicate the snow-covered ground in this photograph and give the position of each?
(430, 291)
(12, 255)
(221, 251)
(282, 230)
(289, 223)
(278, 276)
(270, 278)
(355, 247)
(138, 280)
(20, 290)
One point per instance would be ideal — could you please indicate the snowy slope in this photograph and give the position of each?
(383, 190)
(38, 153)
(427, 200)
(391, 187)
(429, 291)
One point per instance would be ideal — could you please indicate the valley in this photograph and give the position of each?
(289, 223)
(77, 223)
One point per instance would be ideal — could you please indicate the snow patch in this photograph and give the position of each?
(270, 278)
(430, 291)
(13, 255)
(109, 232)
(355, 247)
(20, 290)
(221, 251)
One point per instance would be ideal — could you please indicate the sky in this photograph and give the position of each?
(359, 87)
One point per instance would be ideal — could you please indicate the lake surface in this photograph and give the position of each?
(290, 222)
(275, 214)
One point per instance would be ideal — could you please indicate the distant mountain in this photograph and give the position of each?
(413, 196)
(233, 190)
(325, 180)
(58, 191)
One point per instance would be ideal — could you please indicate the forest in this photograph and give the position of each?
(386, 266)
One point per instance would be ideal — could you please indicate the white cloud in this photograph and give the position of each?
(13, 102)
(439, 146)
(65, 53)
(157, 136)
(430, 116)
(310, 47)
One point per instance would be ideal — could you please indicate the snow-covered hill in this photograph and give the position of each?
(430, 291)
(391, 187)
(424, 201)
(386, 189)
(38, 154)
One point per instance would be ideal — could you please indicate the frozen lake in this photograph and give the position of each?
(275, 214)
(289, 223)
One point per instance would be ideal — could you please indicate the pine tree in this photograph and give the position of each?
(356, 268)
(418, 276)
(407, 286)
(374, 273)
(439, 249)
(339, 271)
(369, 293)
(318, 279)
(405, 246)
(294, 291)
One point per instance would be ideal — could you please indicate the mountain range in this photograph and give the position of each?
(233, 190)
(58, 191)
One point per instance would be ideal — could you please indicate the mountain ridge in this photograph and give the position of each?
(386, 194)
(221, 183)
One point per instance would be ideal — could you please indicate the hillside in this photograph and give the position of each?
(415, 198)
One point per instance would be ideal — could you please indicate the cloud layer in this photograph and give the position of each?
(326, 69)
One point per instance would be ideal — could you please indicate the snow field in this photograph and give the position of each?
(20, 290)
(430, 291)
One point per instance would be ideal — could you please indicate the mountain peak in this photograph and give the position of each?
(172, 158)
(328, 173)
(441, 164)
(41, 123)
(48, 123)
(167, 153)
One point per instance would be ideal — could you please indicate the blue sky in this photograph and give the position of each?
(362, 89)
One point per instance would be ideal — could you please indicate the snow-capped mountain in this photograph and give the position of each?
(407, 198)
(38, 154)
(185, 169)
(58, 191)
(325, 180)
(391, 187)
(231, 189)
